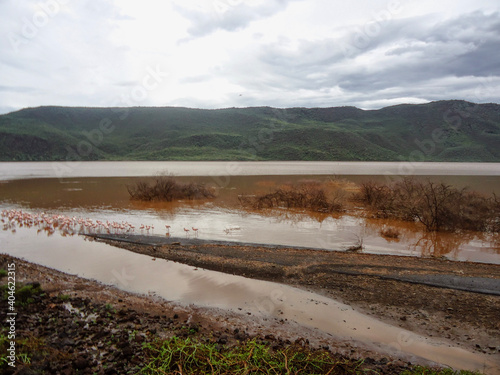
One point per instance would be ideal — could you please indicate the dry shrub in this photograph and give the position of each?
(165, 188)
(439, 207)
(305, 195)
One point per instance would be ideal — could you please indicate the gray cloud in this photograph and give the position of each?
(407, 56)
(94, 53)
(229, 15)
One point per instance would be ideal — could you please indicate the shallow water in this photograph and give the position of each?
(107, 198)
(187, 285)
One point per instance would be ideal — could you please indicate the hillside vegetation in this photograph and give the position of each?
(437, 131)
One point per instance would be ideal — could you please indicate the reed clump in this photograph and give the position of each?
(166, 188)
(438, 206)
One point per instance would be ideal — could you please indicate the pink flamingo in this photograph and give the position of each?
(195, 230)
(187, 231)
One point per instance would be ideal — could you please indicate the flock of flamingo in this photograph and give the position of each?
(69, 226)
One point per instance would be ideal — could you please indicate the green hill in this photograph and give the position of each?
(437, 131)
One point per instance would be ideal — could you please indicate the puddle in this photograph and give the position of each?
(187, 285)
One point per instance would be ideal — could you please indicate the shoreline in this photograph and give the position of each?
(86, 327)
(371, 283)
(463, 319)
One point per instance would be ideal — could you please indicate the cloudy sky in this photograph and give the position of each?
(240, 53)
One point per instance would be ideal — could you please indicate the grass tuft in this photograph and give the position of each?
(189, 356)
(186, 356)
(25, 294)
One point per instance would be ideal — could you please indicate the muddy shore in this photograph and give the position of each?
(381, 286)
(79, 326)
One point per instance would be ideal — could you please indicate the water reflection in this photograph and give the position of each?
(106, 199)
(436, 244)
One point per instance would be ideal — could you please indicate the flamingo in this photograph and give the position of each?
(195, 230)
(187, 231)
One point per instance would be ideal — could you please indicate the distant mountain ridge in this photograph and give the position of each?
(451, 130)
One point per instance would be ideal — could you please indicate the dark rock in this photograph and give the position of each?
(240, 336)
(34, 284)
(128, 352)
(222, 340)
(194, 327)
(81, 363)
(67, 342)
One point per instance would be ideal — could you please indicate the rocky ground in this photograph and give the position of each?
(80, 326)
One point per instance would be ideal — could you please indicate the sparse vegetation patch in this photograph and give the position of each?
(310, 195)
(165, 188)
(438, 206)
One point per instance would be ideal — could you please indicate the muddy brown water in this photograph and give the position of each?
(187, 285)
(106, 198)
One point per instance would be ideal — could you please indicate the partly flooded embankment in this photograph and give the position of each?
(266, 300)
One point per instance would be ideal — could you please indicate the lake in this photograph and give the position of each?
(98, 190)
(11, 170)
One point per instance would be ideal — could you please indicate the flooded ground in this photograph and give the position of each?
(187, 285)
(223, 218)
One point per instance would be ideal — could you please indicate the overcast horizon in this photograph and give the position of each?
(245, 53)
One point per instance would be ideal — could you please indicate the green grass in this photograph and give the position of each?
(64, 297)
(3, 273)
(25, 294)
(29, 349)
(189, 356)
